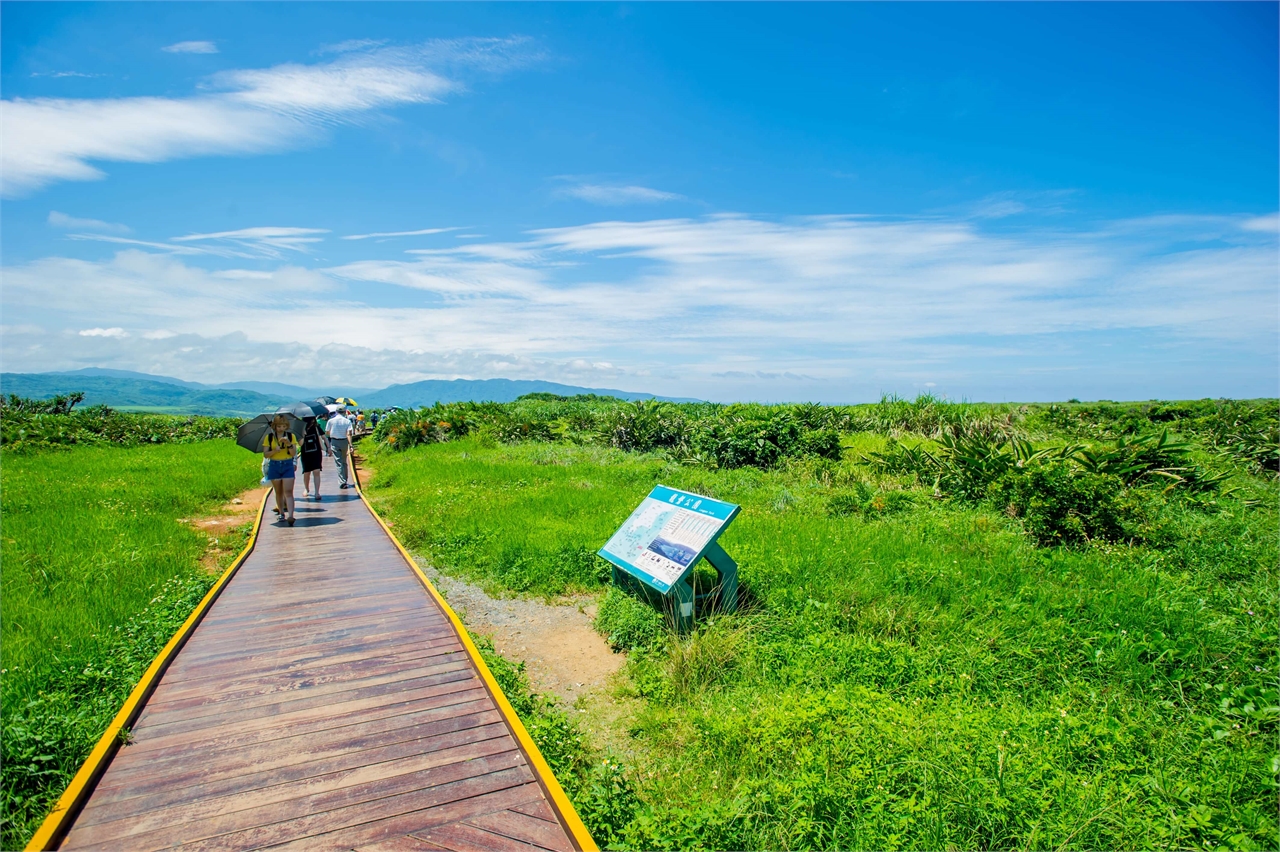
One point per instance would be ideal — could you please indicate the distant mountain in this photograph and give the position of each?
(123, 374)
(291, 391)
(272, 389)
(131, 391)
(431, 391)
(150, 394)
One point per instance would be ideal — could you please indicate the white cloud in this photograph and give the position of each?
(62, 220)
(400, 233)
(352, 44)
(269, 242)
(61, 74)
(617, 195)
(104, 332)
(250, 111)
(191, 47)
(216, 251)
(702, 307)
(1269, 223)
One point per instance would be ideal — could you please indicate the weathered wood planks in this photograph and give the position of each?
(325, 701)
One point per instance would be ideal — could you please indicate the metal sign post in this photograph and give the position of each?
(661, 543)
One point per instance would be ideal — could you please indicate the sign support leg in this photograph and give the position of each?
(682, 596)
(728, 571)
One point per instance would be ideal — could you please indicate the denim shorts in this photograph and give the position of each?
(279, 468)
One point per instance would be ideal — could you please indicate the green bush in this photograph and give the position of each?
(45, 424)
(1060, 504)
(627, 622)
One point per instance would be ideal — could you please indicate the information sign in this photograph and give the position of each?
(666, 534)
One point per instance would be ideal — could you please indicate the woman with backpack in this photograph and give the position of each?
(279, 449)
(315, 446)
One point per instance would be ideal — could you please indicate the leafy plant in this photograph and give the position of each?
(628, 623)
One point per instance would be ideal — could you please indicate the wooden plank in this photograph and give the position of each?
(412, 822)
(539, 809)
(390, 702)
(176, 723)
(246, 695)
(464, 837)
(400, 844)
(525, 829)
(438, 733)
(234, 679)
(209, 817)
(322, 703)
(183, 746)
(301, 818)
(304, 656)
(357, 767)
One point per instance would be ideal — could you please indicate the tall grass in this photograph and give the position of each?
(927, 677)
(97, 574)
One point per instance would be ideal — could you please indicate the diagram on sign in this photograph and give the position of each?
(666, 534)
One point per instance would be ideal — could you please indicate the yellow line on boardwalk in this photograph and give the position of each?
(58, 822)
(564, 808)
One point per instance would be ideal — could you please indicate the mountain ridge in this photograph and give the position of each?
(131, 390)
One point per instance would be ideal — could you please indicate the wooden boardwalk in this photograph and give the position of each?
(326, 701)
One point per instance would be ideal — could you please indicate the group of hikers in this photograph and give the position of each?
(281, 450)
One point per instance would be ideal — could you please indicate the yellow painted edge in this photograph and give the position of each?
(57, 823)
(568, 813)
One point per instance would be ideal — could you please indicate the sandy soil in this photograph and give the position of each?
(563, 654)
(224, 544)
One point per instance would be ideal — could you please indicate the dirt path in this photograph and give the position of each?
(563, 654)
(224, 543)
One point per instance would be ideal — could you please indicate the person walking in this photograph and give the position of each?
(339, 431)
(314, 448)
(279, 449)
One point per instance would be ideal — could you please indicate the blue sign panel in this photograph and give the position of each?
(666, 534)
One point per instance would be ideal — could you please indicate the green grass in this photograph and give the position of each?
(97, 574)
(924, 678)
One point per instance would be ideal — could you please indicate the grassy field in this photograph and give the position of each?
(911, 671)
(98, 573)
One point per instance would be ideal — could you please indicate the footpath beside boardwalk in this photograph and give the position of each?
(327, 700)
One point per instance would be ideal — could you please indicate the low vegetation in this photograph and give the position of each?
(28, 425)
(963, 625)
(1037, 626)
(98, 573)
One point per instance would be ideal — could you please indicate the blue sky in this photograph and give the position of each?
(757, 201)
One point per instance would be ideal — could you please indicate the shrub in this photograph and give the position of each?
(1059, 504)
(44, 424)
(628, 623)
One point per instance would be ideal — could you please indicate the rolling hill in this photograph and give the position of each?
(133, 391)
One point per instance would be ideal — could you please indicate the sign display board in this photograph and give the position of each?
(666, 534)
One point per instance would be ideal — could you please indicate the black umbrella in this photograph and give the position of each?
(303, 409)
(251, 434)
(326, 400)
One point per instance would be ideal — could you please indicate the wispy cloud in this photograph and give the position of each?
(1265, 224)
(191, 47)
(247, 111)
(265, 241)
(735, 301)
(60, 74)
(352, 44)
(422, 232)
(165, 247)
(616, 195)
(62, 220)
